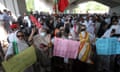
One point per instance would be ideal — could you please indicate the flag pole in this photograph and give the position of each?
(55, 6)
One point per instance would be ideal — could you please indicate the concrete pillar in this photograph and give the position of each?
(15, 6)
(21, 6)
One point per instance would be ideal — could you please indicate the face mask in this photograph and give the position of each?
(83, 34)
(70, 37)
(42, 34)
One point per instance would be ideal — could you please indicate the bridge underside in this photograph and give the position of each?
(19, 7)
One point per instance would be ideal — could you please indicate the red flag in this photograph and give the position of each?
(62, 5)
(34, 21)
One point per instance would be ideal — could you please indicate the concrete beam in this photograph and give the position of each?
(115, 9)
(118, 1)
(110, 3)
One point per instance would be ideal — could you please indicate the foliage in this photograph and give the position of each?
(30, 5)
(91, 6)
(95, 6)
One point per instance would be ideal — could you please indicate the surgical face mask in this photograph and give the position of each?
(70, 37)
(42, 34)
(83, 34)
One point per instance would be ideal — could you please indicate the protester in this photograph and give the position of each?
(2, 28)
(42, 41)
(27, 20)
(41, 29)
(6, 20)
(21, 44)
(115, 26)
(1, 54)
(85, 41)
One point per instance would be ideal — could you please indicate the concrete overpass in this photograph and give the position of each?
(113, 4)
(19, 7)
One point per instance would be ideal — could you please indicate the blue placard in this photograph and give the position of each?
(118, 48)
(107, 46)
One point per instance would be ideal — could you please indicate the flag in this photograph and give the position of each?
(34, 21)
(15, 47)
(55, 6)
(62, 5)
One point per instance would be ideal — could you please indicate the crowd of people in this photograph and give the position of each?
(41, 29)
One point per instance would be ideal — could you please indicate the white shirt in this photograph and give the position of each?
(6, 17)
(1, 16)
(12, 37)
(85, 23)
(119, 21)
(21, 44)
(91, 28)
(28, 20)
(97, 27)
(116, 27)
(107, 20)
(108, 32)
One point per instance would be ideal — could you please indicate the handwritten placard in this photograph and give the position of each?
(66, 48)
(107, 46)
(20, 62)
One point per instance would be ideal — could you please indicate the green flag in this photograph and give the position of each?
(15, 47)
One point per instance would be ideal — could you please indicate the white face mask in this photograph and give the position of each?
(83, 33)
(70, 37)
(42, 34)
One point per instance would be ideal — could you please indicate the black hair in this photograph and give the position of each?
(19, 32)
(67, 28)
(83, 26)
(58, 34)
(115, 20)
(113, 30)
(5, 10)
(1, 12)
(83, 29)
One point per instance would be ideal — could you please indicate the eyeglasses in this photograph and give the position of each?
(20, 36)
